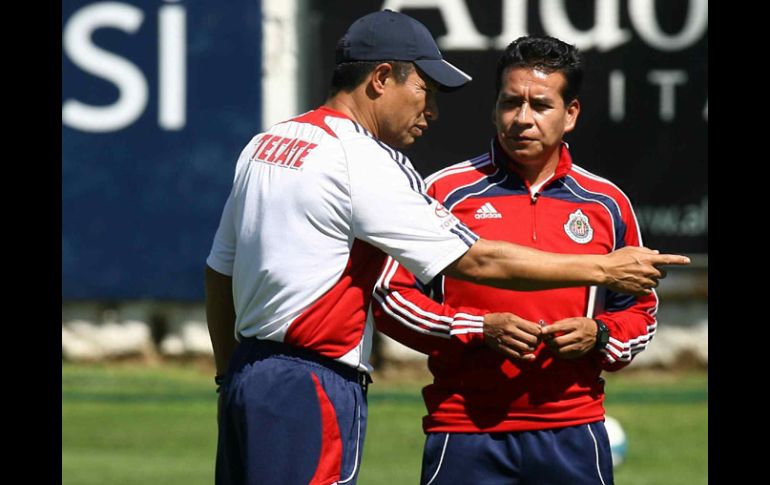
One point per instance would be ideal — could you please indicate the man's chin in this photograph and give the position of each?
(522, 154)
(403, 143)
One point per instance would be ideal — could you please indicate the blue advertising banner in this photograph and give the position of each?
(158, 98)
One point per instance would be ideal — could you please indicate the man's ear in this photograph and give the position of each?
(573, 111)
(379, 77)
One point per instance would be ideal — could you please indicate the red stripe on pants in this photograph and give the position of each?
(330, 461)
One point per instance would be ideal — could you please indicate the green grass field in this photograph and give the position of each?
(147, 425)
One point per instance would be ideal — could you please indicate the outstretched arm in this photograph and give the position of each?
(632, 270)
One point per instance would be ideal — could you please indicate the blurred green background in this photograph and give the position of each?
(140, 424)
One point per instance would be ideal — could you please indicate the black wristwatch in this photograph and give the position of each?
(602, 335)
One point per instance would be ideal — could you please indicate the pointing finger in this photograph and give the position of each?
(670, 259)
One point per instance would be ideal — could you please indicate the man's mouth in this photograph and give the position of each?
(521, 139)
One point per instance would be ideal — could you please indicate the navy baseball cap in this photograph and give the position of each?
(392, 36)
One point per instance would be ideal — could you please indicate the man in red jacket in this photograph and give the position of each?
(525, 407)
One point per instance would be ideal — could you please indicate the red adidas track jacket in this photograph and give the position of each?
(475, 389)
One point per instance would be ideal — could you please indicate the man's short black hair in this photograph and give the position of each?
(348, 75)
(547, 54)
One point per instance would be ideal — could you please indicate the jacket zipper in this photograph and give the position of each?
(533, 202)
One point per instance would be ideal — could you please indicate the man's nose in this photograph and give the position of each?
(524, 116)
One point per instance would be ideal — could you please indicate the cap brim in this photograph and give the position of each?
(445, 74)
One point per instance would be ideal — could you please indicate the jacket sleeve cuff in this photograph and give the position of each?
(468, 326)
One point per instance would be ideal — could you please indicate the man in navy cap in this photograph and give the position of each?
(317, 204)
